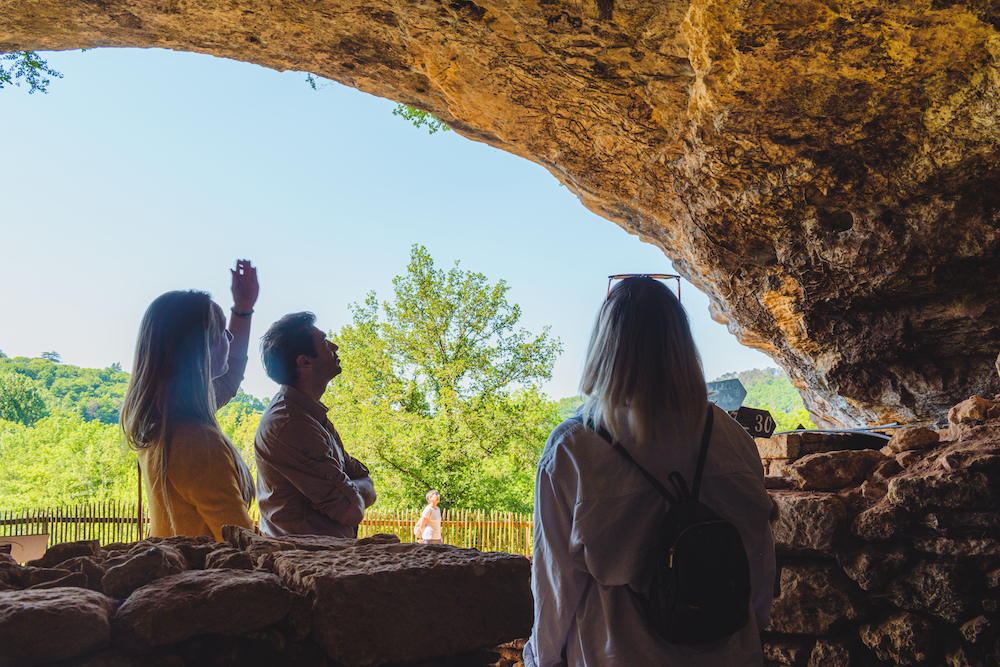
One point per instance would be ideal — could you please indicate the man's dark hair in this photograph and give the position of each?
(284, 342)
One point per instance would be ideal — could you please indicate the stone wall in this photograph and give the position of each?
(891, 556)
(297, 601)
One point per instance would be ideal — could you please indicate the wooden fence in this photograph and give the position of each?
(116, 522)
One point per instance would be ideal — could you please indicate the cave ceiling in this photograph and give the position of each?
(825, 171)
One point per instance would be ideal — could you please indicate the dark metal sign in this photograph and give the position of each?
(758, 423)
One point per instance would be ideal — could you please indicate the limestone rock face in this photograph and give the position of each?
(439, 600)
(832, 470)
(825, 172)
(807, 522)
(903, 638)
(813, 598)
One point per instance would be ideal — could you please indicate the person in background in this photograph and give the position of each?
(428, 528)
(596, 515)
(187, 364)
(307, 484)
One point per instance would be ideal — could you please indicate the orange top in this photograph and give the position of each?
(203, 485)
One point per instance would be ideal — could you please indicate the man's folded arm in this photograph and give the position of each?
(300, 454)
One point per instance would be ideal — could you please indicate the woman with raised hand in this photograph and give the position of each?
(597, 517)
(187, 363)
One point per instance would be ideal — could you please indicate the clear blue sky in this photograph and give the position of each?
(143, 171)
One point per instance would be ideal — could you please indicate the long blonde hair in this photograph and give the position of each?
(171, 379)
(642, 363)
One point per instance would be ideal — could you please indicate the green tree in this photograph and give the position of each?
(93, 394)
(20, 399)
(61, 460)
(238, 419)
(567, 406)
(440, 390)
(26, 65)
(52, 356)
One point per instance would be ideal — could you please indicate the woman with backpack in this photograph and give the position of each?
(599, 519)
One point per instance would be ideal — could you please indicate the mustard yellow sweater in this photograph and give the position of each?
(202, 484)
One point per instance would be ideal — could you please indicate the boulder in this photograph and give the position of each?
(903, 638)
(875, 564)
(833, 470)
(779, 446)
(968, 547)
(943, 590)
(814, 598)
(33, 576)
(70, 579)
(937, 489)
(788, 651)
(881, 522)
(43, 626)
(196, 602)
(88, 566)
(57, 553)
(140, 569)
(807, 522)
(973, 410)
(230, 558)
(439, 600)
(830, 653)
(911, 437)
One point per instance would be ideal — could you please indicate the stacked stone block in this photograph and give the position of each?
(305, 601)
(892, 556)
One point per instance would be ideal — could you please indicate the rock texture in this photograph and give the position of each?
(824, 171)
(42, 626)
(909, 576)
(301, 601)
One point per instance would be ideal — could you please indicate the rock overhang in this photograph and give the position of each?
(826, 172)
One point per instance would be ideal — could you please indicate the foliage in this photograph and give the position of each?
(28, 66)
(789, 421)
(420, 118)
(238, 419)
(567, 406)
(20, 399)
(61, 460)
(92, 394)
(52, 356)
(440, 390)
(771, 389)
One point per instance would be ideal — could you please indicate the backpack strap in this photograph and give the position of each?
(675, 478)
(706, 436)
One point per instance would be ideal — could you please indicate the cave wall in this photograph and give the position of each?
(825, 171)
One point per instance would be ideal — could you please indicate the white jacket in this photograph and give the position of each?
(595, 520)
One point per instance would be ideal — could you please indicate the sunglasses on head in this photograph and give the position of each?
(654, 276)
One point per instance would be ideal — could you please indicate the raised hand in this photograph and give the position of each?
(245, 287)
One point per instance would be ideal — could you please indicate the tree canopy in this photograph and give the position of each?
(20, 399)
(90, 393)
(440, 390)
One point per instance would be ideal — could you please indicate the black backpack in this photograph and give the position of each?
(700, 591)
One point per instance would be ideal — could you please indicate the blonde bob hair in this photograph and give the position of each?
(171, 378)
(642, 365)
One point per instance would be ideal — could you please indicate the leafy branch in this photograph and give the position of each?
(420, 118)
(26, 65)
